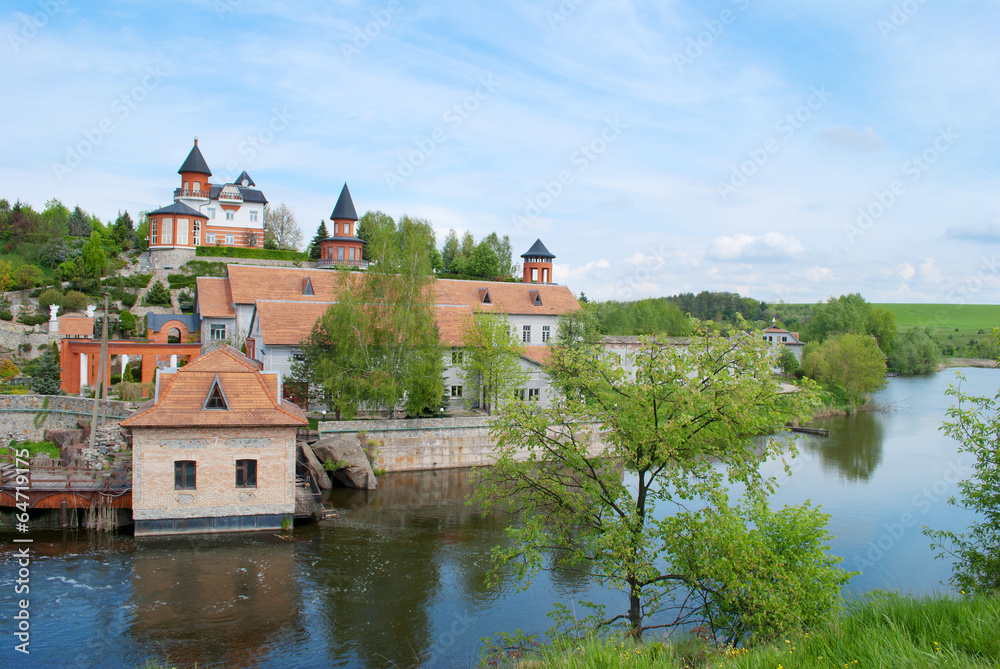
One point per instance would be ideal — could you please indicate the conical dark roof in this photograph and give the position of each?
(345, 207)
(537, 250)
(245, 177)
(195, 162)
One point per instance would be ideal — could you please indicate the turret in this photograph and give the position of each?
(194, 175)
(343, 247)
(537, 264)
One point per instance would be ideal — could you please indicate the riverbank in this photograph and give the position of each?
(884, 630)
(967, 362)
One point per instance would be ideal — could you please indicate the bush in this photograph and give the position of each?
(181, 280)
(74, 300)
(137, 280)
(8, 369)
(260, 254)
(58, 250)
(126, 323)
(32, 319)
(5, 315)
(158, 295)
(185, 301)
(129, 299)
(205, 268)
(13, 390)
(48, 298)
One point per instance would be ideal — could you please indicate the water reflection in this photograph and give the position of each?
(854, 448)
(206, 600)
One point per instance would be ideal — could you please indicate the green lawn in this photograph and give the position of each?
(946, 316)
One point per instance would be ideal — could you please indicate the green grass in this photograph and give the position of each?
(946, 316)
(36, 447)
(883, 631)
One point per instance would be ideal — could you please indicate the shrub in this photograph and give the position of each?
(137, 280)
(8, 369)
(126, 322)
(48, 298)
(240, 252)
(6, 315)
(32, 319)
(181, 280)
(205, 268)
(28, 276)
(129, 299)
(74, 300)
(13, 390)
(158, 295)
(185, 301)
(58, 250)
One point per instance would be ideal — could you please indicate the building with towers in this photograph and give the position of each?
(206, 214)
(537, 264)
(343, 247)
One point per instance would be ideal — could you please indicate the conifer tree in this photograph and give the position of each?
(321, 234)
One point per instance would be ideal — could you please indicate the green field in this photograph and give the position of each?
(965, 317)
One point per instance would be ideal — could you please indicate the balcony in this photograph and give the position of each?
(337, 262)
(186, 192)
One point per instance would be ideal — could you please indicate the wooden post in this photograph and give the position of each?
(100, 375)
(62, 513)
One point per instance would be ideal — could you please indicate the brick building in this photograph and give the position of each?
(214, 451)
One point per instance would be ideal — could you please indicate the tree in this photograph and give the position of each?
(787, 362)
(78, 223)
(378, 344)
(483, 262)
(851, 314)
(681, 428)
(577, 328)
(852, 361)
(158, 295)
(491, 362)
(280, 229)
(450, 250)
(974, 423)
(914, 352)
(372, 226)
(321, 234)
(94, 258)
(122, 231)
(502, 250)
(45, 380)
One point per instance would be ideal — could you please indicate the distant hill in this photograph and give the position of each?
(946, 316)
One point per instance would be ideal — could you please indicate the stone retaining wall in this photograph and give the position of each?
(422, 444)
(26, 417)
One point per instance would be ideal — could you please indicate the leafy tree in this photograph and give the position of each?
(45, 380)
(420, 233)
(372, 226)
(974, 423)
(666, 533)
(502, 250)
(48, 298)
(55, 217)
(74, 300)
(914, 352)
(852, 314)
(649, 316)
(577, 328)
(483, 262)
(321, 234)
(8, 369)
(450, 250)
(491, 362)
(122, 231)
(58, 250)
(94, 258)
(28, 276)
(78, 223)
(142, 233)
(787, 362)
(127, 324)
(852, 361)
(280, 229)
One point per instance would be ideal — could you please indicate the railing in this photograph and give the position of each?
(231, 196)
(327, 262)
(61, 476)
(187, 192)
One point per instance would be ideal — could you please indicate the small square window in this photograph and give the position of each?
(456, 357)
(184, 475)
(230, 239)
(546, 332)
(532, 394)
(211, 213)
(230, 216)
(253, 216)
(210, 238)
(217, 331)
(456, 391)
(246, 473)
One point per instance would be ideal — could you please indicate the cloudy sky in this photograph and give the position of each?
(783, 150)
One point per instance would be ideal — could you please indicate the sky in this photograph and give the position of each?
(785, 150)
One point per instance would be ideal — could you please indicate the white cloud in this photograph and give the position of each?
(748, 248)
(564, 273)
(929, 271)
(851, 138)
(906, 271)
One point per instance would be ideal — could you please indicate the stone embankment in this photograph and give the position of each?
(28, 417)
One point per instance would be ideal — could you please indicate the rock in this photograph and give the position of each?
(71, 452)
(315, 468)
(43, 459)
(346, 449)
(64, 437)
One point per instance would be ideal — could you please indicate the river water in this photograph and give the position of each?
(399, 580)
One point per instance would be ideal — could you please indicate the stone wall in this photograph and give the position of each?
(421, 444)
(13, 335)
(215, 452)
(260, 262)
(26, 417)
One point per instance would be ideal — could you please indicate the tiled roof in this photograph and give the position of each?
(451, 324)
(195, 162)
(249, 283)
(177, 209)
(287, 323)
(214, 298)
(512, 298)
(248, 194)
(539, 354)
(76, 326)
(182, 396)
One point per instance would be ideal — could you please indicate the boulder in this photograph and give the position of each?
(64, 437)
(315, 468)
(71, 452)
(345, 449)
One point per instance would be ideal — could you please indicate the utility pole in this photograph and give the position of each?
(101, 372)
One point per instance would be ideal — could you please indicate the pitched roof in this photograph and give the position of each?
(249, 283)
(537, 250)
(178, 209)
(76, 326)
(287, 323)
(248, 194)
(538, 354)
(213, 297)
(195, 162)
(183, 393)
(512, 298)
(344, 208)
(244, 177)
(451, 323)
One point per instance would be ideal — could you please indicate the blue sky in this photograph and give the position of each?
(783, 150)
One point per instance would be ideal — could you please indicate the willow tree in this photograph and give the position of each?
(377, 345)
(682, 423)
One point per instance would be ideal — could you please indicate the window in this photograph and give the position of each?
(298, 356)
(350, 253)
(184, 474)
(229, 216)
(340, 253)
(246, 473)
(197, 233)
(187, 185)
(168, 223)
(532, 394)
(211, 213)
(456, 391)
(230, 239)
(197, 186)
(784, 338)
(218, 331)
(526, 333)
(216, 400)
(253, 216)
(519, 394)
(456, 357)
(546, 332)
(210, 238)
(152, 231)
(182, 231)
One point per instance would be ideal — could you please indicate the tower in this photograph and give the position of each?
(537, 264)
(343, 247)
(194, 176)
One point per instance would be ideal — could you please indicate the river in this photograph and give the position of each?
(400, 578)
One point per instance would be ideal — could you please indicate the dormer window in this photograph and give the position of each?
(484, 296)
(216, 398)
(307, 287)
(536, 298)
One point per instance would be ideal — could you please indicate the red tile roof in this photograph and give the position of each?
(215, 299)
(75, 326)
(250, 397)
(287, 323)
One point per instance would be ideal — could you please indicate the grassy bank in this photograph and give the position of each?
(883, 631)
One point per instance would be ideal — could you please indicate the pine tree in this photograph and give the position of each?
(122, 229)
(46, 379)
(78, 223)
(321, 234)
